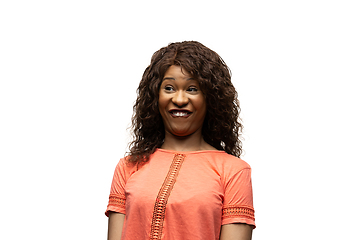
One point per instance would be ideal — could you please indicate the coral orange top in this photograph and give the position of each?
(182, 195)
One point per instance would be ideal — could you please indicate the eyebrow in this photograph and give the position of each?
(170, 78)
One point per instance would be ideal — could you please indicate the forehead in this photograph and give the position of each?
(175, 71)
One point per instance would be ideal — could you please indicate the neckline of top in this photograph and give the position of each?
(189, 152)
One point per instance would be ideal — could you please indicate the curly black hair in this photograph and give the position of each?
(222, 126)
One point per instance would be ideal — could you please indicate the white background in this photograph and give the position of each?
(69, 72)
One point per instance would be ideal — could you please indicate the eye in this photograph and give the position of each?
(169, 88)
(192, 89)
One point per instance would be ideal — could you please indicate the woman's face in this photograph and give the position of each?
(181, 103)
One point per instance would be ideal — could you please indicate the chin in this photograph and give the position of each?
(182, 133)
(177, 134)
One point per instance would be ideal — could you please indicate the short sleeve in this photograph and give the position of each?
(117, 192)
(238, 198)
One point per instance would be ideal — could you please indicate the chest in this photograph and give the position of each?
(195, 185)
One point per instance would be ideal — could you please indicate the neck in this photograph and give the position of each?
(193, 142)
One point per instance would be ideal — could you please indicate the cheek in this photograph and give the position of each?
(200, 104)
(162, 104)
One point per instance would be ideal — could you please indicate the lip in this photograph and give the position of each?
(180, 113)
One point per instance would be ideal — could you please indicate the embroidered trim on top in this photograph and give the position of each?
(243, 211)
(117, 200)
(163, 196)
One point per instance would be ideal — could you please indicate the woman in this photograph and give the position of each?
(183, 178)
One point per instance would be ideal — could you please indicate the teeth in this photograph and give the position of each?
(179, 114)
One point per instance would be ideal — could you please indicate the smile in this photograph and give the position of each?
(179, 113)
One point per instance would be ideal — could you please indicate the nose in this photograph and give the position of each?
(180, 99)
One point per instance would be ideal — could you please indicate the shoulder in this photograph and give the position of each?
(235, 168)
(125, 167)
(228, 161)
(235, 161)
(225, 165)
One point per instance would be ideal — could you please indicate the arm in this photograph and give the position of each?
(115, 225)
(236, 231)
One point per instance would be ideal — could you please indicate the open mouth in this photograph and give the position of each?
(180, 113)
